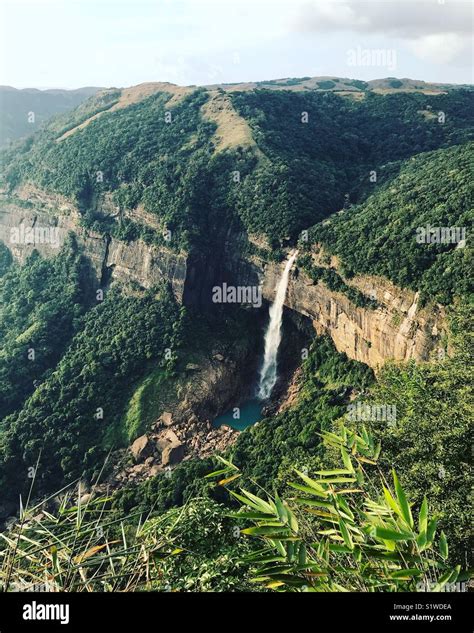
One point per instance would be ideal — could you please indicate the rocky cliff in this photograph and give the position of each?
(54, 217)
(398, 328)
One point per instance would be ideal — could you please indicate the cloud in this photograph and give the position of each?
(399, 18)
(440, 48)
(434, 30)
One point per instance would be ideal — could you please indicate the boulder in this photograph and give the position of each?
(172, 454)
(219, 357)
(167, 418)
(141, 448)
(169, 437)
(192, 367)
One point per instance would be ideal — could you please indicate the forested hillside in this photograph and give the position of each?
(111, 383)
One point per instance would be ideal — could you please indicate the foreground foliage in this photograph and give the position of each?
(345, 530)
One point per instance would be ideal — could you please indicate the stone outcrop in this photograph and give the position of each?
(141, 448)
(397, 329)
(111, 259)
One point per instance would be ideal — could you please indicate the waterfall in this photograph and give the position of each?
(268, 373)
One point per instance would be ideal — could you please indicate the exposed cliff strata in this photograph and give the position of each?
(135, 261)
(397, 329)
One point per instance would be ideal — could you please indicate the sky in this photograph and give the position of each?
(74, 43)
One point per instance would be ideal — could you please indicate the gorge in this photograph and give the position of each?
(217, 300)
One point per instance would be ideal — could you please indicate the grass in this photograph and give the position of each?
(83, 547)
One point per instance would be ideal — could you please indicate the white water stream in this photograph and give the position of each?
(268, 373)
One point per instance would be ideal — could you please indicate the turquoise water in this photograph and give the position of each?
(250, 412)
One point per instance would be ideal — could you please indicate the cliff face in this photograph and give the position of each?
(55, 217)
(397, 329)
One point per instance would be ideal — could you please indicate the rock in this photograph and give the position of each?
(218, 357)
(192, 367)
(141, 448)
(85, 499)
(172, 454)
(149, 461)
(154, 470)
(167, 418)
(171, 437)
(224, 428)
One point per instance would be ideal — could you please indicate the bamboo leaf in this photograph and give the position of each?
(402, 500)
(223, 482)
(346, 535)
(392, 535)
(423, 516)
(443, 546)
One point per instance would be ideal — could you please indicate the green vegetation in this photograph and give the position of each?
(40, 308)
(86, 547)
(430, 443)
(379, 236)
(103, 370)
(346, 530)
(65, 421)
(172, 169)
(335, 282)
(309, 167)
(265, 451)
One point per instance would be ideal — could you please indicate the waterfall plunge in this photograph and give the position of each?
(268, 373)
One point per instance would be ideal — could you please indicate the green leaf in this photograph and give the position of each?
(315, 502)
(406, 574)
(392, 535)
(430, 531)
(266, 530)
(264, 506)
(336, 471)
(338, 480)
(311, 483)
(346, 460)
(346, 535)
(423, 516)
(310, 491)
(282, 511)
(449, 576)
(402, 500)
(443, 546)
(302, 554)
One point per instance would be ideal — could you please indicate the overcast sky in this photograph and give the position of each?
(73, 43)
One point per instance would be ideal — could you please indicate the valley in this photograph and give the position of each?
(228, 283)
